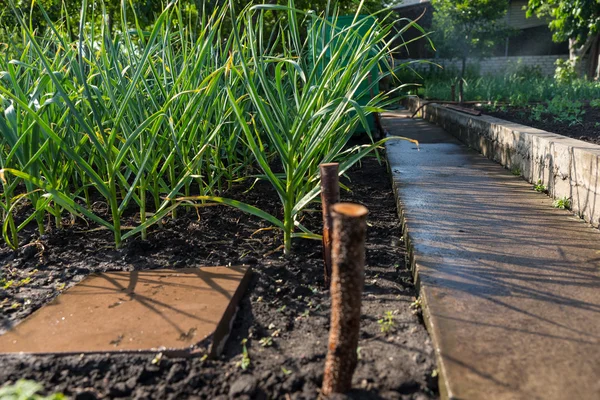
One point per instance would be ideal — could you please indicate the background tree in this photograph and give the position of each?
(468, 28)
(67, 11)
(577, 21)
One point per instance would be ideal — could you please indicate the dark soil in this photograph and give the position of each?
(588, 129)
(286, 301)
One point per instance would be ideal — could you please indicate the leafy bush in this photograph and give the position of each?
(565, 71)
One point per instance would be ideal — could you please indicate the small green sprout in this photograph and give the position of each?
(387, 322)
(266, 341)
(24, 281)
(540, 187)
(416, 305)
(157, 359)
(245, 363)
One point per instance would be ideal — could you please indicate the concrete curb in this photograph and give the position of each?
(567, 167)
(423, 293)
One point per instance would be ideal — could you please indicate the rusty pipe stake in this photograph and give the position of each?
(330, 194)
(348, 256)
(453, 92)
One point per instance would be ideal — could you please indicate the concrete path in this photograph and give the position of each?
(510, 286)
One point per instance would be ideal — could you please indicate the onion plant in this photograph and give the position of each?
(303, 87)
(144, 121)
(131, 118)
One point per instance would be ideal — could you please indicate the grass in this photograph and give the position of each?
(148, 122)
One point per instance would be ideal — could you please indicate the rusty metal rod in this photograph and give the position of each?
(348, 256)
(330, 194)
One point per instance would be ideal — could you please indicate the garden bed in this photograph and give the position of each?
(286, 306)
(585, 126)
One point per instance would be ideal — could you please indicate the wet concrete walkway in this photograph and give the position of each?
(510, 285)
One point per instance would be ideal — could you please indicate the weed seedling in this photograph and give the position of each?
(266, 342)
(157, 359)
(416, 306)
(245, 363)
(563, 203)
(540, 187)
(516, 171)
(387, 322)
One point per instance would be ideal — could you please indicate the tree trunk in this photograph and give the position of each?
(594, 60)
(461, 79)
(576, 54)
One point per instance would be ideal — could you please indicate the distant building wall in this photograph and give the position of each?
(497, 65)
(531, 40)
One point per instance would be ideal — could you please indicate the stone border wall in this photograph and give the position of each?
(568, 167)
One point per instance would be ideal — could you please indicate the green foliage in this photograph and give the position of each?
(142, 119)
(514, 88)
(564, 203)
(537, 112)
(387, 323)
(467, 28)
(26, 390)
(66, 12)
(560, 109)
(565, 110)
(565, 72)
(540, 187)
(244, 364)
(570, 19)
